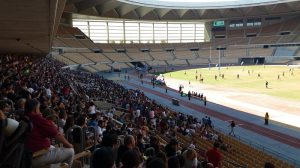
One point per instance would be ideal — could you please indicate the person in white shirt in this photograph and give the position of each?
(48, 92)
(137, 113)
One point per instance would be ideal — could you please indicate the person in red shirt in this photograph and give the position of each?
(214, 156)
(39, 138)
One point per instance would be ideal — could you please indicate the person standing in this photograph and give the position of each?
(232, 125)
(204, 100)
(267, 118)
(189, 95)
(267, 84)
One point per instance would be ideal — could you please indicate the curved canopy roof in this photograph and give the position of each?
(202, 4)
(182, 9)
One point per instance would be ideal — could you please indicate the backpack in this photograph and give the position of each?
(12, 151)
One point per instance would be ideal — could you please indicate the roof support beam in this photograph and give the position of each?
(162, 12)
(103, 8)
(88, 4)
(124, 9)
(181, 12)
(142, 11)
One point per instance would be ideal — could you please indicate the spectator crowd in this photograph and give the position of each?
(61, 107)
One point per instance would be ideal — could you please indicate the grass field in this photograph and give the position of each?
(287, 86)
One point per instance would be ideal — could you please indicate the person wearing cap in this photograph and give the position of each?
(214, 155)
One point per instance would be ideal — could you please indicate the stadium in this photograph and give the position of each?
(150, 83)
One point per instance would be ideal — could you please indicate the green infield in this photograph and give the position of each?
(283, 81)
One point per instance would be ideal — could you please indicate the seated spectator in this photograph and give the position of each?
(269, 165)
(110, 140)
(103, 157)
(162, 156)
(62, 118)
(40, 136)
(131, 159)
(190, 158)
(5, 107)
(171, 148)
(155, 162)
(173, 162)
(76, 134)
(69, 123)
(20, 108)
(214, 156)
(205, 164)
(154, 146)
(129, 144)
(140, 143)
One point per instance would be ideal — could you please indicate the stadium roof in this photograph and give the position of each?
(28, 26)
(202, 4)
(182, 10)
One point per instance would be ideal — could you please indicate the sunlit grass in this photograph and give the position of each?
(287, 86)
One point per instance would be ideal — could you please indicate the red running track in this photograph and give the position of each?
(278, 136)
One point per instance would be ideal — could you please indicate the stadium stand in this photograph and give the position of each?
(235, 153)
(184, 54)
(101, 67)
(77, 58)
(157, 63)
(64, 113)
(96, 57)
(177, 62)
(198, 61)
(162, 55)
(139, 56)
(270, 30)
(72, 42)
(235, 33)
(238, 41)
(64, 60)
(90, 69)
(261, 52)
(118, 57)
(264, 40)
(287, 39)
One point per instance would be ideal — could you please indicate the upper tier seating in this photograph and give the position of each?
(118, 57)
(96, 57)
(163, 55)
(184, 54)
(139, 56)
(77, 58)
(177, 62)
